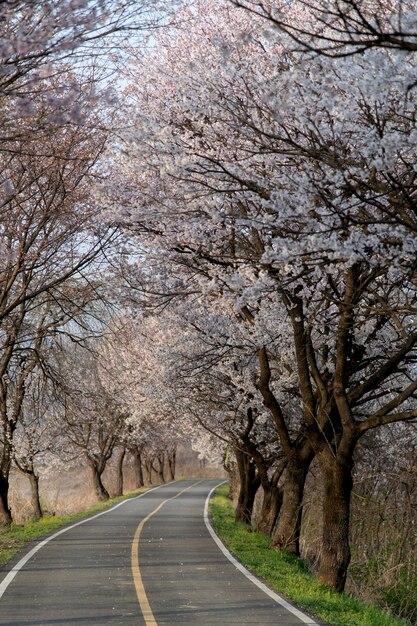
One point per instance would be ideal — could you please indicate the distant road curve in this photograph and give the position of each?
(147, 561)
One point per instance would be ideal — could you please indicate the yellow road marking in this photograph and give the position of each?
(145, 607)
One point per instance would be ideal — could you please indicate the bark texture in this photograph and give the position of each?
(138, 469)
(5, 513)
(172, 459)
(335, 556)
(161, 467)
(119, 473)
(271, 504)
(99, 489)
(34, 490)
(249, 485)
(286, 534)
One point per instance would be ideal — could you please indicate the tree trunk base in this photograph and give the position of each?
(271, 505)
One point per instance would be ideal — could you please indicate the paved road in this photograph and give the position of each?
(150, 561)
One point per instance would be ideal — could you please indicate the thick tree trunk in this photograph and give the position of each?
(335, 556)
(5, 513)
(249, 485)
(119, 473)
(34, 491)
(6, 517)
(172, 457)
(99, 489)
(161, 466)
(233, 473)
(148, 469)
(286, 534)
(138, 470)
(271, 504)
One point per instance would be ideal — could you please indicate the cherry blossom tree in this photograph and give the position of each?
(157, 424)
(29, 371)
(40, 40)
(92, 419)
(35, 435)
(339, 29)
(283, 187)
(49, 239)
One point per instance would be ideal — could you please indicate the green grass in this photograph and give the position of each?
(17, 536)
(288, 575)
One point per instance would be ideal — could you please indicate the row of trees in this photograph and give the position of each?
(248, 202)
(272, 193)
(57, 260)
(87, 411)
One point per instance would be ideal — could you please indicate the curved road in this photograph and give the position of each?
(150, 560)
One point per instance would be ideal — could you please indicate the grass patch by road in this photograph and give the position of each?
(288, 575)
(17, 536)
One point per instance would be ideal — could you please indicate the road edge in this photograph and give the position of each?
(305, 619)
(15, 569)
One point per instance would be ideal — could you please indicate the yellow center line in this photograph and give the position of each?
(137, 576)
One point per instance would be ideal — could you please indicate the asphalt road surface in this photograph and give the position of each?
(149, 561)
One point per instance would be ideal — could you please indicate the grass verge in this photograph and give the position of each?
(17, 536)
(290, 576)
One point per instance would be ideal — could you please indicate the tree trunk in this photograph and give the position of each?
(335, 556)
(148, 469)
(34, 490)
(5, 513)
(6, 517)
(286, 535)
(171, 464)
(271, 504)
(99, 489)
(119, 473)
(137, 466)
(231, 469)
(249, 485)
(161, 465)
